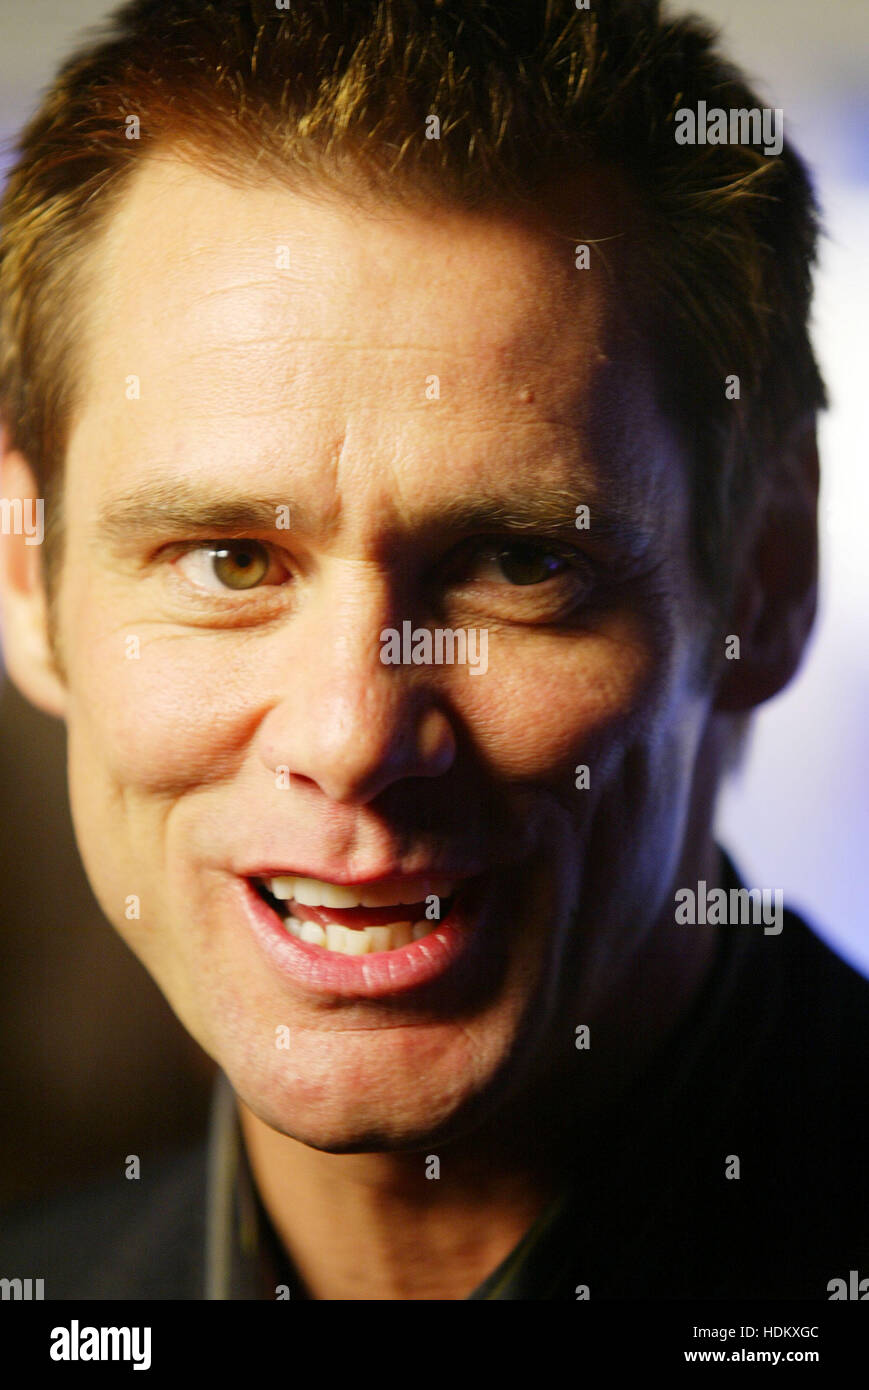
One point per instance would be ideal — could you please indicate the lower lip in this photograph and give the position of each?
(378, 976)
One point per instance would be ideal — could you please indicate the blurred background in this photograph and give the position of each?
(93, 1064)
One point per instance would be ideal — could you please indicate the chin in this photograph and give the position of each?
(351, 1128)
(354, 1108)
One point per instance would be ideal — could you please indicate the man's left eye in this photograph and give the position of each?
(219, 566)
(524, 563)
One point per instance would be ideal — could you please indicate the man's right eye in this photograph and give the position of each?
(222, 567)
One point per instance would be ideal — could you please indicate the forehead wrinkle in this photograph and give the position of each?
(552, 331)
(530, 332)
(545, 262)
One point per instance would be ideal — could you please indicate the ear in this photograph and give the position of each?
(27, 652)
(776, 597)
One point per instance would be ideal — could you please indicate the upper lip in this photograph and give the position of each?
(345, 880)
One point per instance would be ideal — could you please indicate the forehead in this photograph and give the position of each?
(260, 311)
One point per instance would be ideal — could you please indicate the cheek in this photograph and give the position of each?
(551, 702)
(147, 723)
(158, 713)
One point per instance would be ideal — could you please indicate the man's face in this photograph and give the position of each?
(411, 387)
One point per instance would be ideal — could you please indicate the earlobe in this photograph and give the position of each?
(27, 650)
(777, 597)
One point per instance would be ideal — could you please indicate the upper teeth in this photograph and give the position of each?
(313, 892)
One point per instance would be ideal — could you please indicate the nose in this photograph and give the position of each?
(345, 721)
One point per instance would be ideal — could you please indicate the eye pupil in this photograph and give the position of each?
(240, 567)
(527, 564)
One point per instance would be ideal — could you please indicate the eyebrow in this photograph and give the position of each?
(178, 508)
(550, 511)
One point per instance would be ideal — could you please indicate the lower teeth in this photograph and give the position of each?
(359, 941)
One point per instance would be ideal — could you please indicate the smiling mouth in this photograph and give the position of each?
(370, 919)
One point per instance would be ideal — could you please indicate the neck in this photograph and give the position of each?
(374, 1226)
